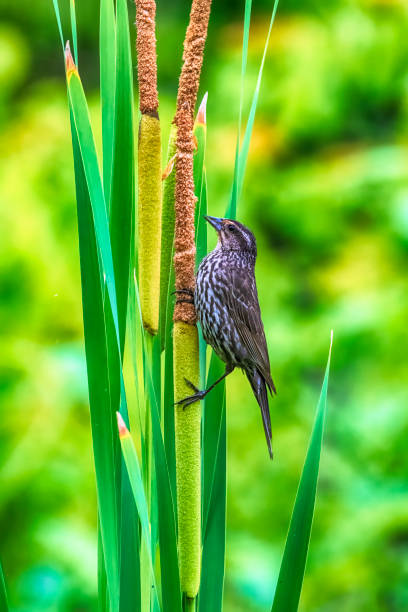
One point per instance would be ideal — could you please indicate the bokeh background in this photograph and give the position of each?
(326, 193)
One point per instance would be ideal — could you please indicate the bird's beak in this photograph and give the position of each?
(216, 222)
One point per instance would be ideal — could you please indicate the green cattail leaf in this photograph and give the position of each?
(200, 186)
(89, 157)
(96, 344)
(103, 254)
(130, 593)
(122, 202)
(107, 54)
(170, 579)
(103, 595)
(3, 593)
(171, 593)
(201, 253)
(74, 29)
(168, 390)
(200, 135)
(122, 191)
(241, 158)
(136, 481)
(58, 18)
(212, 425)
(232, 211)
(213, 563)
(167, 236)
(293, 564)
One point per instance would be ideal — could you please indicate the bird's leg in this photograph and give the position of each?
(188, 292)
(199, 395)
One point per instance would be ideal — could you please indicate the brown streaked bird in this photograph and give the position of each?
(226, 301)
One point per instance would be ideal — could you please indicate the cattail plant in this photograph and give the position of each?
(161, 527)
(185, 335)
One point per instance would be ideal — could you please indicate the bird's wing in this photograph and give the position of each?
(243, 305)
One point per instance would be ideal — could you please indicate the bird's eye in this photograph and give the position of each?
(231, 228)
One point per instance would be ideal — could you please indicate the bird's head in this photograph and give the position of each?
(232, 235)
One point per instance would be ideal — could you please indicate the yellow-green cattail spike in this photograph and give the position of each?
(149, 219)
(188, 441)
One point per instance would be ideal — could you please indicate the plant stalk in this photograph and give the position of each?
(185, 335)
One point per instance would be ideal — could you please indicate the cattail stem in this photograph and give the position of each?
(167, 238)
(189, 605)
(149, 167)
(185, 343)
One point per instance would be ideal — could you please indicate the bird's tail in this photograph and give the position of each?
(259, 388)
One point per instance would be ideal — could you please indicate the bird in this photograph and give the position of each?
(227, 307)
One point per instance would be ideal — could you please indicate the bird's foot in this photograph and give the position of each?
(191, 399)
(188, 292)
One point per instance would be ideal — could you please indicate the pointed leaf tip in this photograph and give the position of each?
(169, 168)
(69, 61)
(123, 430)
(331, 343)
(201, 118)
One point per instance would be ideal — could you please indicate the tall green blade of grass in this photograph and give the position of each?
(168, 390)
(201, 253)
(244, 59)
(213, 564)
(167, 234)
(122, 191)
(98, 378)
(200, 187)
(129, 596)
(58, 18)
(74, 29)
(167, 306)
(171, 592)
(136, 481)
(241, 158)
(81, 121)
(103, 594)
(91, 170)
(212, 422)
(3, 593)
(214, 434)
(107, 54)
(200, 134)
(170, 579)
(293, 564)
(214, 491)
(121, 218)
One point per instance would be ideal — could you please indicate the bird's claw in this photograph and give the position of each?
(191, 399)
(188, 291)
(187, 300)
(191, 385)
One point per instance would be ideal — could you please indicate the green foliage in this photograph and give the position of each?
(3, 593)
(293, 564)
(325, 193)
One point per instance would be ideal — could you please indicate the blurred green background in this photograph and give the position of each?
(326, 193)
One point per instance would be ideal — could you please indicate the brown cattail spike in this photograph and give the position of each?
(184, 258)
(146, 56)
(193, 55)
